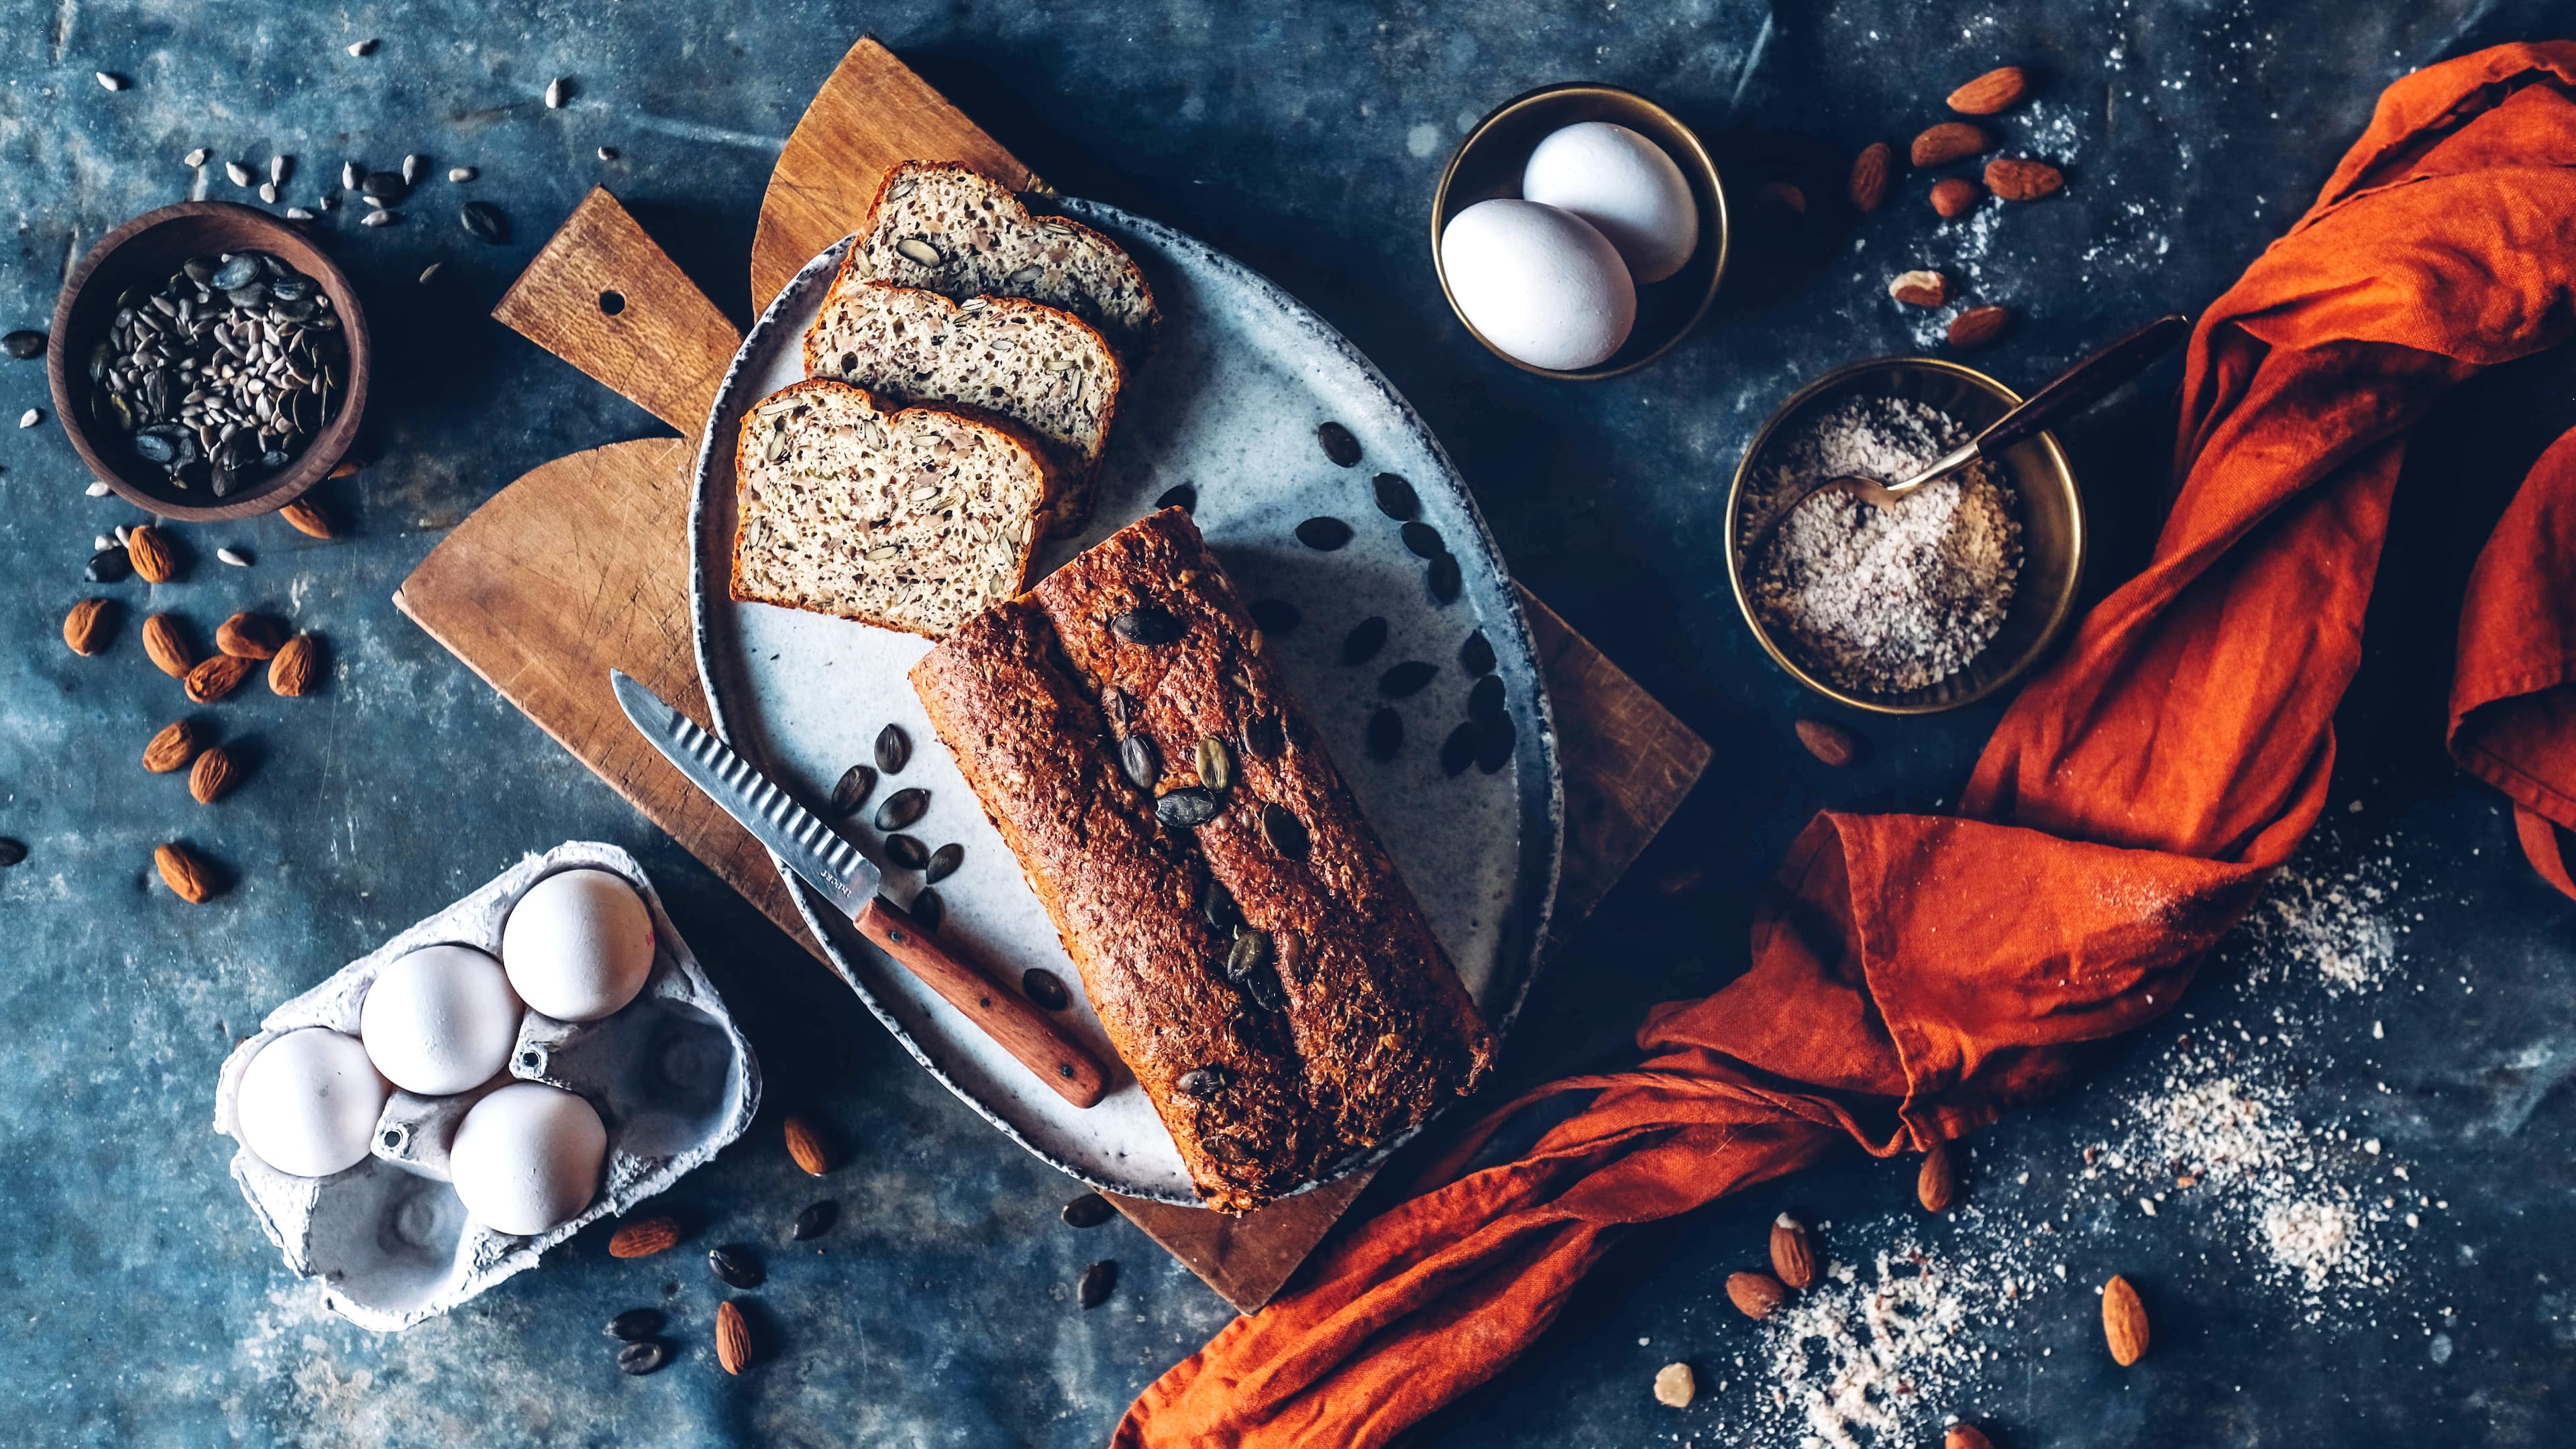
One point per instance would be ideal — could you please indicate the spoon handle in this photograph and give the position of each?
(2085, 382)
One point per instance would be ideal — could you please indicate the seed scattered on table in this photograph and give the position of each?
(902, 808)
(1339, 444)
(361, 49)
(893, 750)
(1445, 579)
(414, 166)
(1423, 541)
(643, 1357)
(734, 1265)
(815, 1220)
(98, 489)
(380, 218)
(13, 852)
(196, 158)
(907, 852)
(944, 862)
(111, 80)
(1046, 989)
(634, 1323)
(236, 557)
(237, 173)
(1088, 1211)
(1323, 534)
(926, 909)
(607, 153)
(857, 783)
(1098, 1282)
(558, 91)
(1395, 497)
(353, 175)
(1183, 496)
(25, 345)
(460, 174)
(430, 272)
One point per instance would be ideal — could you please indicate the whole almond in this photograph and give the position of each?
(291, 672)
(1756, 1293)
(733, 1338)
(212, 775)
(156, 559)
(85, 627)
(1979, 326)
(1831, 743)
(1675, 1385)
(1955, 196)
(1947, 142)
(1920, 288)
(172, 748)
(2016, 179)
(805, 1145)
(165, 639)
(185, 873)
(2124, 1321)
(643, 1238)
(216, 676)
(1868, 185)
(249, 636)
(1996, 90)
(1966, 1436)
(304, 518)
(1792, 1256)
(1937, 1185)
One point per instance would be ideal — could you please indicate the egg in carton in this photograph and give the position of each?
(667, 1077)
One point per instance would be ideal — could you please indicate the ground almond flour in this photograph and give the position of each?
(1879, 600)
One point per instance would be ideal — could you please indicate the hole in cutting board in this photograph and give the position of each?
(612, 303)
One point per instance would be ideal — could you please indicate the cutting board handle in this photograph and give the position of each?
(603, 297)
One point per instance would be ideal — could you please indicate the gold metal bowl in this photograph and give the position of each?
(1489, 162)
(2050, 507)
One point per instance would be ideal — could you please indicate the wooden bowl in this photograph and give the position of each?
(147, 250)
(1489, 163)
(2048, 503)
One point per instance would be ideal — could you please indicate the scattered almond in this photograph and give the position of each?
(1920, 288)
(1675, 1385)
(1954, 196)
(1937, 1185)
(1979, 326)
(165, 639)
(2009, 177)
(212, 776)
(216, 676)
(185, 873)
(1781, 193)
(1868, 184)
(643, 1238)
(85, 628)
(805, 1145)
(1949, 141)
(1996, 90)
(1831, 743)
(156, 559)
(733, 1338)
(291, 672)
(304, 518)
(1793, 1258)
(172, 748)
(2124, 1321)
(249, 636)
(1756, 1293)
(1966, 1436)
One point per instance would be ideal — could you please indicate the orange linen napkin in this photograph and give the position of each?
(1915, 975)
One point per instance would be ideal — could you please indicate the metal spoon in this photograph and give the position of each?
(2079, 386)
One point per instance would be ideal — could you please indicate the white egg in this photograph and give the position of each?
(440, 1020)
(527, 1157)
(578, 945)
(1625, 186)
(309, 1102)
(1539, 283)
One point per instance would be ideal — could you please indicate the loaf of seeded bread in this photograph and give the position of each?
(1257, 961)
(912, 518)
(1042, 368)
(962, 234)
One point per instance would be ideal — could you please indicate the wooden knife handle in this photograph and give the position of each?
(1040, 1043)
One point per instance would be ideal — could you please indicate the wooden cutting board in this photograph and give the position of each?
(582, 565)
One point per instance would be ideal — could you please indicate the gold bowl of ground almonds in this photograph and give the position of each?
(1933, 604)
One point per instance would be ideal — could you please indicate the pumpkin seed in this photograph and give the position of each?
(485, 220)
(1183, 496)
(1323, 534)
(1098, 1282)
(643, 1357)
(1275, 616)
(12, 852)
(386, 186)
(927, 909)
(108, 566)
(915, 249)
(1494, 745)
(1476, 656)
(1045, 988)
(1216, 905)
(1188, 807)
(894, 749)
(902, 808)
(1118, 705)
(1445, 579)
(1216, 767)
(1385, 734)
(1366, 638)
(1339, 445)
(816, 1220)
(635, 1323)
(944, 862)
(1147, 624)
(1200, 1082)
(1423, 540)
(1407, 679)
(1250, 953)
(907, 851)
(735, 1265)
(23, 345)
(1088, 1211)
(1459, 750)
(1263, 987)
(1395, 497)
(1024, 275)
(1263, 736)
(901, 188)
(1140, 761)
(1485, 699)
(1285, 832)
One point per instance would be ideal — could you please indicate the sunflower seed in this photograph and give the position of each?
(816, 1220)
(1485, 699)
(857, 783)
(1445, 579)
(460, 174)
(915, 249)
(1476, 655)
(298, 213)
(1088, 1211)
(607, 153)
(112, 82)
(1407, 679)
(233, 556)
(907, 852)
(99, 489)
(1366, 638)
(902, 808)
(380, 218)
(486, 221)
(1459, 750)
(1098, 1282)
(1395, 497)
(103, 540)
(558, 91)
(1201, 1082)
(635, 1323)
(1285, 832)
(735, 1265)
(413, 168)
(197, 157)
(361, 49)
(1045, 988)
(1385, 734)
(1323, 534)
(268, 192)
(1264, 736)
(31, 417)
(279, 168)
(1146, 624)
(430, 272)
(926, 909)
(353, 175)
(1183, 496)
(893, 750)
(1216, 768)
(1423, 540)
(1339, 445)
(24, 345)
(1187, 807)
(643, 1357)
(237, 173)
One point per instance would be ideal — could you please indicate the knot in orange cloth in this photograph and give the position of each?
(1915, 975)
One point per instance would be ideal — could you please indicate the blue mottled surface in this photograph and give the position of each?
(138, 1304)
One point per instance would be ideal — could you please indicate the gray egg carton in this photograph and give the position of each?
(389, 1240)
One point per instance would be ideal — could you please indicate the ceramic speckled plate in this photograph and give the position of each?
(1229, 403)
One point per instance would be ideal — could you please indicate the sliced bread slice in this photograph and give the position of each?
(1040, 367)
(962, 234)
(910, 518)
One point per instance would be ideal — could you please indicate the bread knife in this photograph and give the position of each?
(823, 859)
